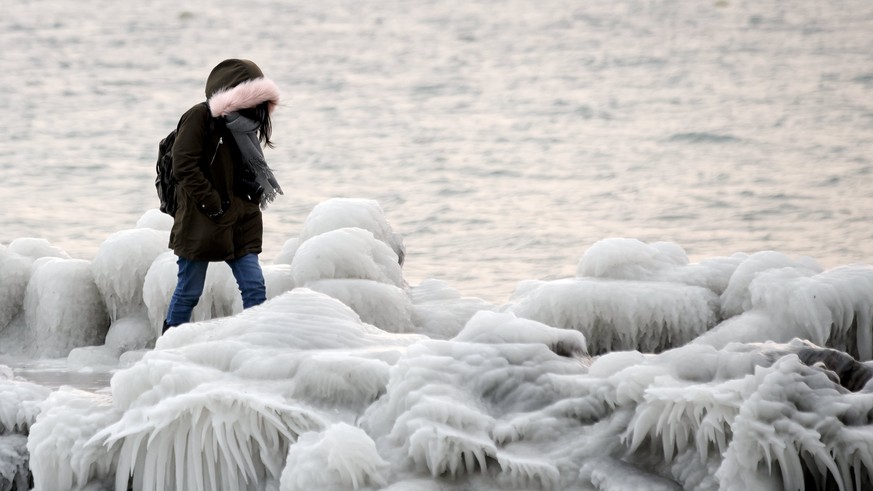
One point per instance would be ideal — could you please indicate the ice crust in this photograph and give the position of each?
(644, 371)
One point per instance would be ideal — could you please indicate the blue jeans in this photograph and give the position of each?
(192, 276)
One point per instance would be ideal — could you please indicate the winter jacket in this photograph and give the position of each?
(205, 162)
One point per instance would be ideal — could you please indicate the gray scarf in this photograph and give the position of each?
(245, 133)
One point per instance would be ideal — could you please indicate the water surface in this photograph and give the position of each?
(502, 139)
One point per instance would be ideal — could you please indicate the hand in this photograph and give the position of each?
(215, 215)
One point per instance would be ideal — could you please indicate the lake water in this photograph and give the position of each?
(502, 139)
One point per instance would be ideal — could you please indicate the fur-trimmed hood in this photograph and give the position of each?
(239, 84)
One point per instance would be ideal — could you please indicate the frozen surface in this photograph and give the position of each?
(749, 371)
(19, 406)
(620, 314)
(120, 266)
(63, 307)
(338, 213)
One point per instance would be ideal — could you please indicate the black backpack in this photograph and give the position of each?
(165, 182)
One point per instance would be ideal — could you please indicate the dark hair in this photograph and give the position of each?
(261, 114)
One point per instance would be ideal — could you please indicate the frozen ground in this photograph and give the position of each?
(643, 370)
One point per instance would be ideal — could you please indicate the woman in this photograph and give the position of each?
(223, 184)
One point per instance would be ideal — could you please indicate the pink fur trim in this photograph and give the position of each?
(247, 94)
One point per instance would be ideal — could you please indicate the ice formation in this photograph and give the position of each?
(831, 308)
(14, 275)
(644, 371)
(450, 405)
(155, 219)
(632, 259)
(120, 266)
(346, 253)
(234, 394)
(19, 407)
(63, 307)
(349, 251)
(440, 311)
(341, 457)
(383, 305)
(338, 213)
(60, 457)
(16, 265)
(35, 248)
(619, 314)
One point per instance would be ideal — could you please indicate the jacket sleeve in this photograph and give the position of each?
(187, 152)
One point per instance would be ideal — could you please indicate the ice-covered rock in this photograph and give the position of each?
(632, 259)
(218, 404)
(351, 253)
(831, 308)
(278, 279)
(338, 213)
(130, 333)
(36, 248)
(19, 407)
(14, 471)
(347, 378)
(19, 404)
(16, 262)
(120, 266)
(14, 276)
(446, 402)
(440, 311)
(383, 305)
(63, 307)
(340, 457)
(736, 298)
(289, 248)
(155, 219)
(620, 314)
(62, 455)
